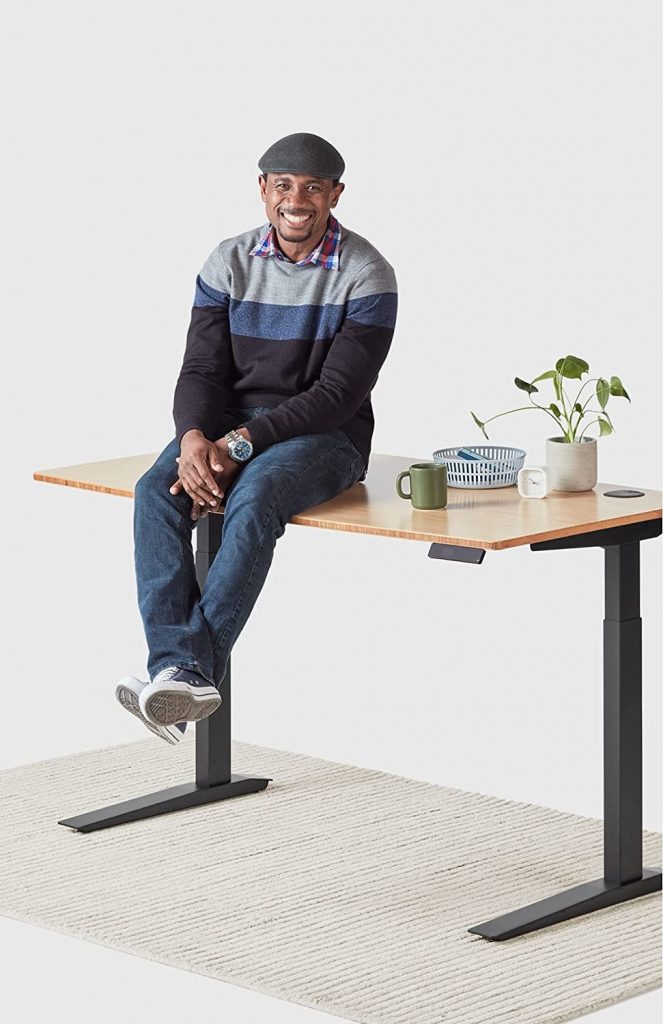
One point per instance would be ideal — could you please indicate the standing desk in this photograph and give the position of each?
(473, 522)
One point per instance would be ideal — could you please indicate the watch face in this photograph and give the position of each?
(242, 450)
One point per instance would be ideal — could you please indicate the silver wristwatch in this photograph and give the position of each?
(239, 448)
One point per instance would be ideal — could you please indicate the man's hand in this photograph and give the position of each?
(206, 471)
(201, 463)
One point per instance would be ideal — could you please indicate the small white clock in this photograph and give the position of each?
(533, 482)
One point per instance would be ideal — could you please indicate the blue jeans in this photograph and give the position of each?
(197, 631)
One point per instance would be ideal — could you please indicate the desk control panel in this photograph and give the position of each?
(457, 553)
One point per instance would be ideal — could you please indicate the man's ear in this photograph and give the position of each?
(337, 194)
(262, 182)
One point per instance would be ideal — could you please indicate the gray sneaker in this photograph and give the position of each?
(128, 692)
(178, 694)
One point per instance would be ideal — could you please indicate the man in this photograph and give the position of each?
(291, 323)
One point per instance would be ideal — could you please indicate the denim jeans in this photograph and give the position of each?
(197, 630)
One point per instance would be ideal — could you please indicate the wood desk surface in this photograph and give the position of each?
(491, 518)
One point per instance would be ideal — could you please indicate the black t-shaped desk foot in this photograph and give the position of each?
(214, 779)
(176, 798)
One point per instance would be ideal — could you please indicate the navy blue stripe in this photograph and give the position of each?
(309, 322)
(281, 323)
(208, 296)
(377, 310)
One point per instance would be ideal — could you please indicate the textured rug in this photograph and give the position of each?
(338, 888)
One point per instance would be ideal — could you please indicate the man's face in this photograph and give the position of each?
(299, 196)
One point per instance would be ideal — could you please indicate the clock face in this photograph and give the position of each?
(533, 483)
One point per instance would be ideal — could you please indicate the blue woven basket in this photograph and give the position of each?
(498, 467)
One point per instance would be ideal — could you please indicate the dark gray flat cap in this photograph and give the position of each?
(303, 153)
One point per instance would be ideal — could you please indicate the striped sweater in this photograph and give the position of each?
(305, 340)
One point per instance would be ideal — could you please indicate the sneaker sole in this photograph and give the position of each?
(165, 708)
(129, 700)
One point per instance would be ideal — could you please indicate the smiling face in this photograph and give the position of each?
(298, 206)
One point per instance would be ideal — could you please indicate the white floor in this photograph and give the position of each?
(51, 977)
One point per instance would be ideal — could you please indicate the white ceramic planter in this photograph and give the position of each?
(572, 467)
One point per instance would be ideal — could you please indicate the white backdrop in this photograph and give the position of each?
(505, 159)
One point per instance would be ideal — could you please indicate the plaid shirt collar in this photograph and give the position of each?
(326, 253)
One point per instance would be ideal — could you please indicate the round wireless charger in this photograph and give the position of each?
(626, 493)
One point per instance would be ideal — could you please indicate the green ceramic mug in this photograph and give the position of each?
(428, 484)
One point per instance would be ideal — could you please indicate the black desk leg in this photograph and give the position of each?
(624, 877)
(214, 780)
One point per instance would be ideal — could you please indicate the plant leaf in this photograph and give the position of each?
(544, 376)
(524, 386)
(617, 388)
(480, 424)
(602, 391)
(572, 367)
(578, 408)
(555, 408)
(605, 426)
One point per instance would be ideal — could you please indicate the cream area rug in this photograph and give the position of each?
(339, 888)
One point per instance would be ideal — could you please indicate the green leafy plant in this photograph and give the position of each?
(571, 367)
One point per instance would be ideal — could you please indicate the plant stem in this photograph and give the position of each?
(601, 412)
(589, 425)
(567, 433)
(523, 408)
(581, 414)
(588, 381)
(550, 413)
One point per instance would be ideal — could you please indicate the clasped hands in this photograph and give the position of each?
(205, 472)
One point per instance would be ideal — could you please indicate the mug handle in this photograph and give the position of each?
(399, 489)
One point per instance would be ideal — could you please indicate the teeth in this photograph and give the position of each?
(296, 220)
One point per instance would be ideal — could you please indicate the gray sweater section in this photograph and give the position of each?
(229, 268)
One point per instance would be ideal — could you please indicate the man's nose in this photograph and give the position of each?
(299, 196)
